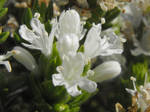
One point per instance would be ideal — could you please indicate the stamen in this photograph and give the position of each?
(133, 81)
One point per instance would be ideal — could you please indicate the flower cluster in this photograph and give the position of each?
(68, 31)
(137, 16)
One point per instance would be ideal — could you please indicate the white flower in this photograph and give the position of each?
(70, 75)
(69, 32)
(24, 57)
(106, 71)
(69, 23)
(142, 46)
(96, 45)
(68, 44)
(6, 63)
(142, 95)
(38, 37)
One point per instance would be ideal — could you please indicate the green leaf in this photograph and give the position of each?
(43, 11)
(75, 109)
(139, 70)
(49, 11)
(81, 49)
(48, 64)
(17, 37)
(112, 14)
(48, 26)
(86, 69)
(88, 25)
(55, 61)
(27, 17)
(3, 37)
(3, 12)
(35, 6)
(97, 14)
(76, 101)
(2, 2)
(106, 26)
(54, 94)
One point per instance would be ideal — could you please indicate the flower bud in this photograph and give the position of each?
(106, 71)
(24, 57)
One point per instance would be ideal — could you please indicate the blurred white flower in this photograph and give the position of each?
(132, 15)
(142, 46)
(107, 5)
(24, 57)
(6, 63)
(106, 71)
(104, 44)
(70, 75)
(38, 37)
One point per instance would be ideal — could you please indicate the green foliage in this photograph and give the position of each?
(86, 69)
(17, 37)
(3, 37)
(2, 2)
(139, 70)
(77, 101)
(112, 14)
(81, 49)
(54, 94)
(48, 64)
(92, 3)
(27, 17)
(98, 13)
(48, 26)
(45, 12)
(3, 12)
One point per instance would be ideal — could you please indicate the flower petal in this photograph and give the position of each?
(73, 66)
(110, 44)
(69, 22)
(68, 44)
(88, 85)
(73, 90)
(27, 34)
(58, 79)
(38, 28)
(91, 44)
(7, 65)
